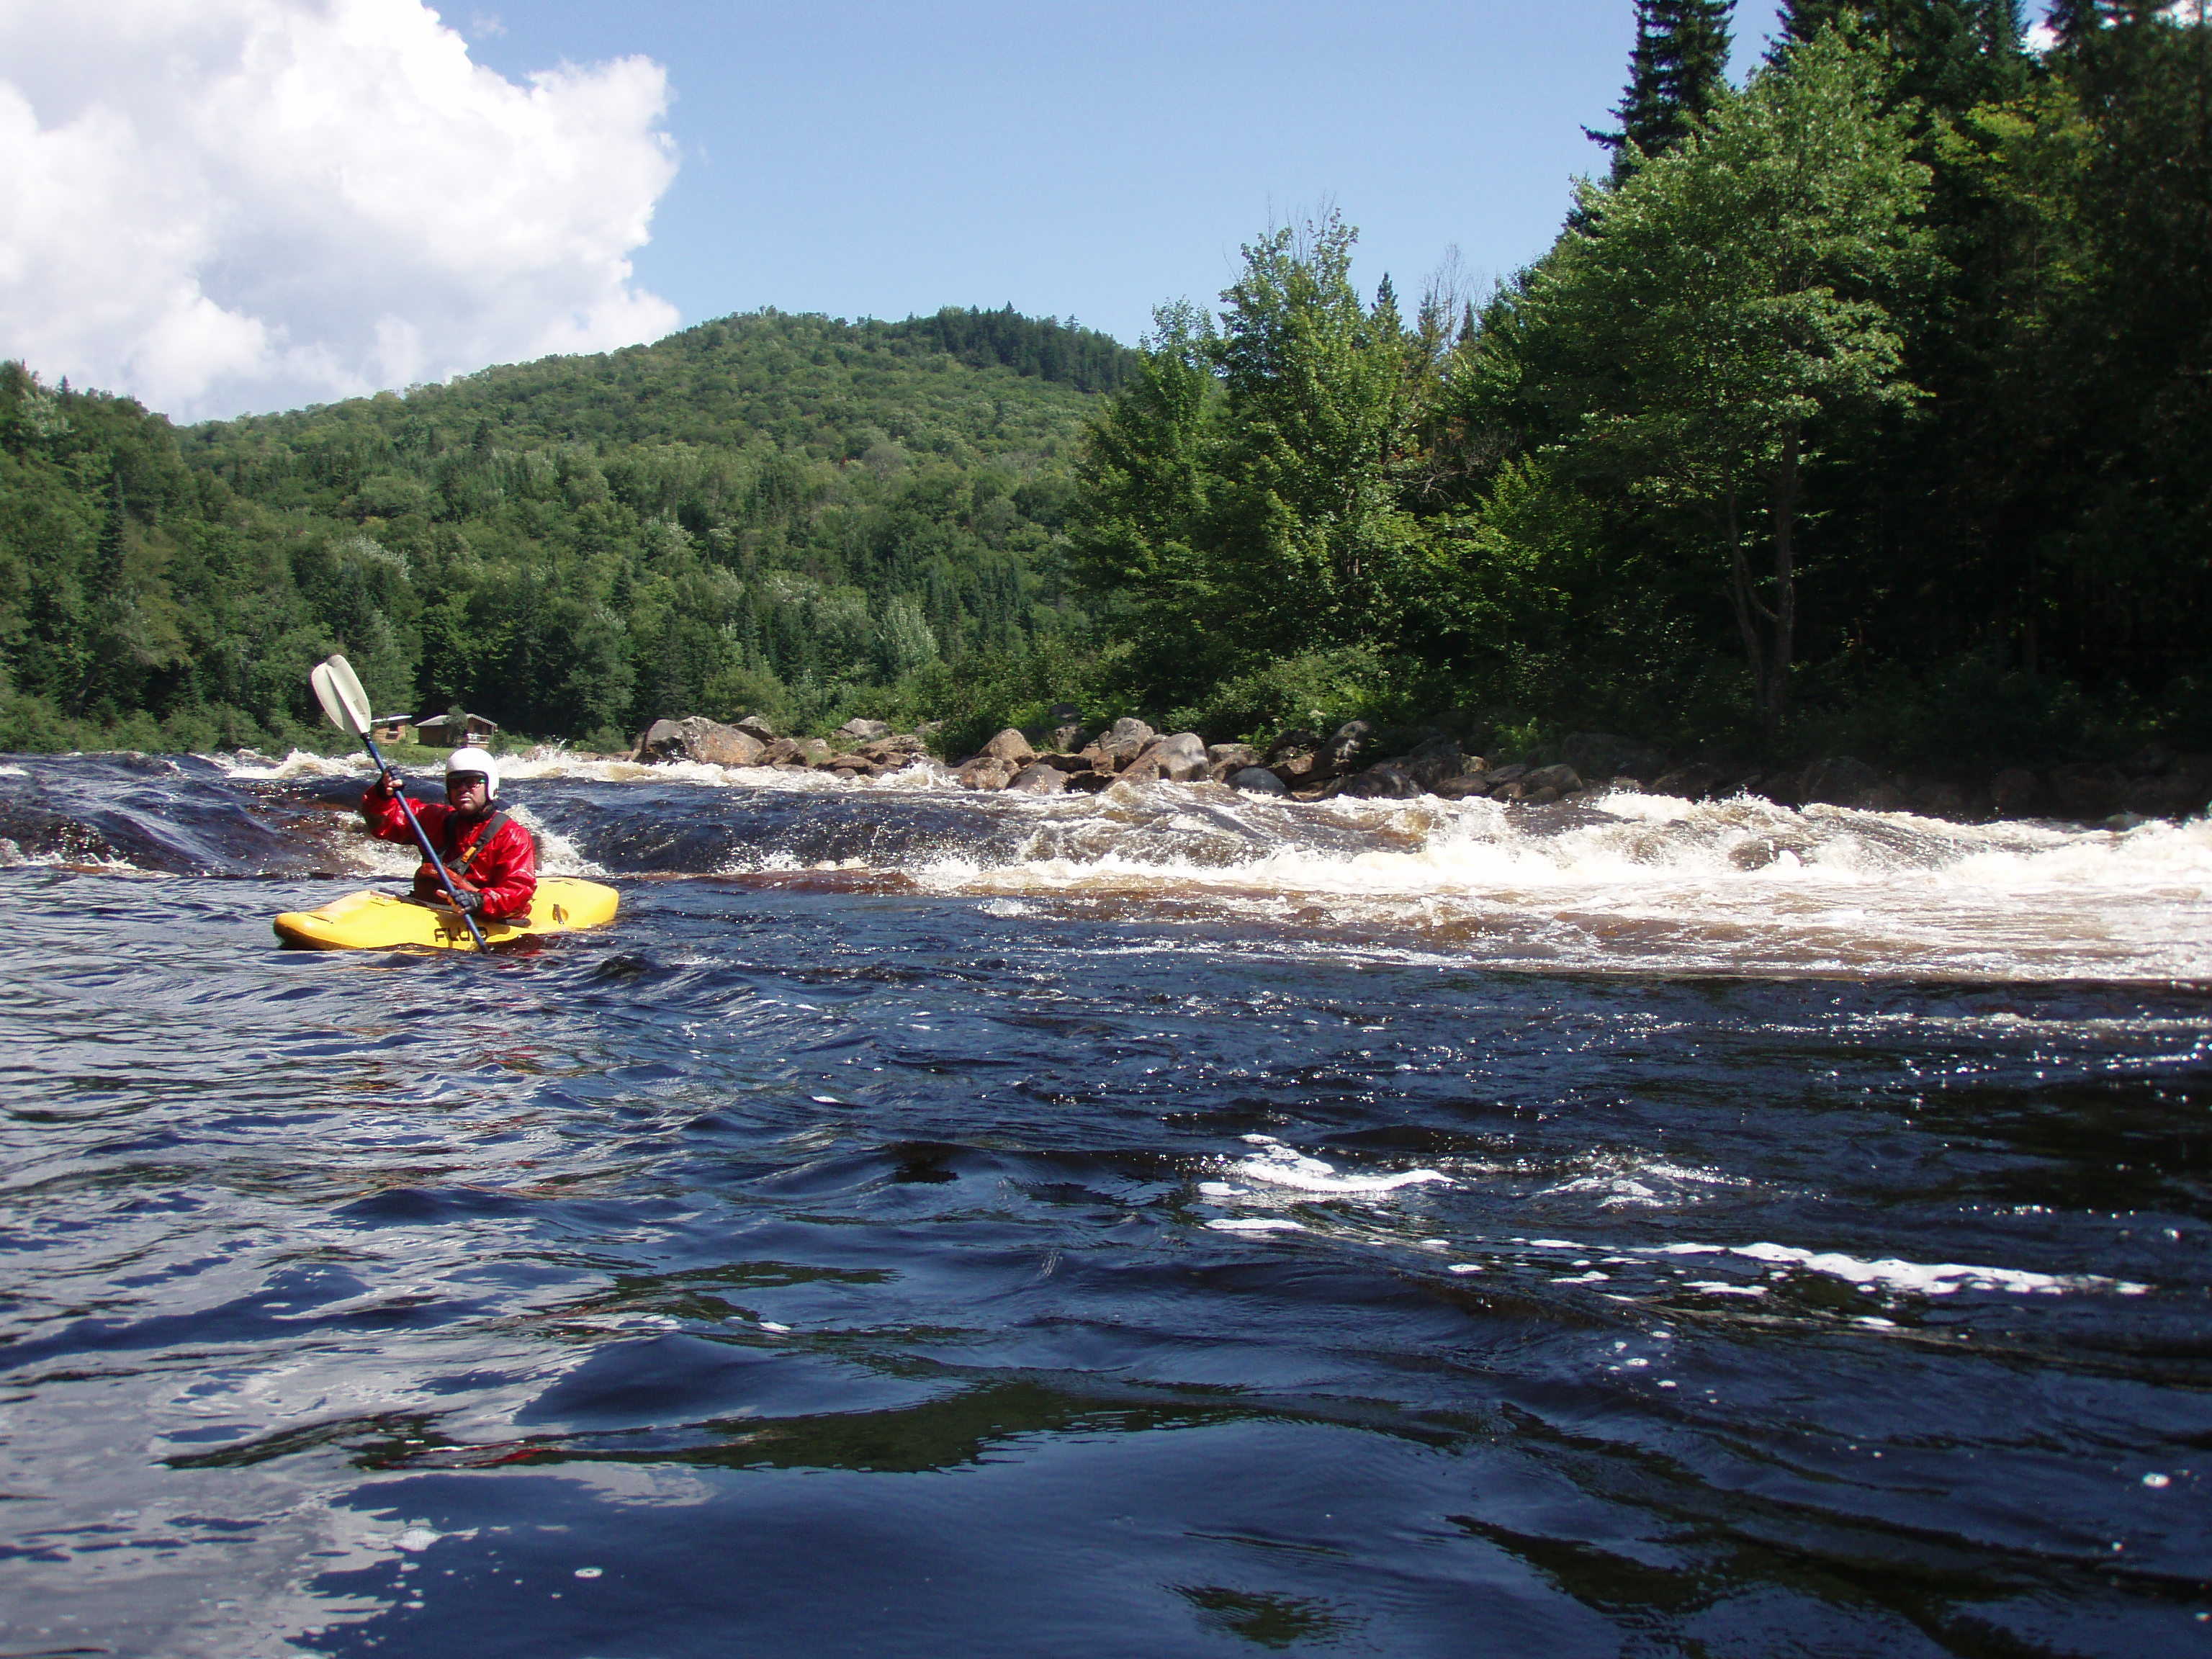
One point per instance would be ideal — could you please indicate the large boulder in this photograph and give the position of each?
(1298, 758)
(1010, 746)
(2183, 788)
(984, 772)
(1258, 781)
(2016, 792)
(895, 749)
(1177, 759)
(796, 751)
(862, 731)
(754, 726)
(698, 739)
(1562, 780)
(1349, 744)
(1607, 755)
(1935, 797)
(1384, 782)
(1695, 781)
(1224, 758)
(1842, 781)
(1039, 779)
(1436, 762)
(1126, 739)
(2089, 789)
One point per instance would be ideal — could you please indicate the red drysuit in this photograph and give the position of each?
(505, 872)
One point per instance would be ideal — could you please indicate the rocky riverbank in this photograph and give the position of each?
(1365, 761)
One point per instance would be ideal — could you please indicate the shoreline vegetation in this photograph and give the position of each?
(1857, 411)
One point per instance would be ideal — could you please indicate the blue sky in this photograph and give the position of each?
(1088, 160)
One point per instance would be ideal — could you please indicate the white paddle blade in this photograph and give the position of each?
(338, 689)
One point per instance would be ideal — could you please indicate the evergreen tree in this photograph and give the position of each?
(1726, 308)
(1951, 54)
(1676, 73)
(2074, 20)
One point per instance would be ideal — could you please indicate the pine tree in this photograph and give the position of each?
(1947, 46)
(1676, 73)
(2073, 20)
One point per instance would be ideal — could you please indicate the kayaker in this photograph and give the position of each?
(491, 858)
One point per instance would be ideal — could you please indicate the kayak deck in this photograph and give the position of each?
(375, 920)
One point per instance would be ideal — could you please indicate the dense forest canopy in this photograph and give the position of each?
(1861, 402)
(769, 513)
(1864, 403)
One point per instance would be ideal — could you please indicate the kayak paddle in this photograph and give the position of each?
(338, 688)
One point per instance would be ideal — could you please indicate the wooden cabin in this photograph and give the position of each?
(446, 731)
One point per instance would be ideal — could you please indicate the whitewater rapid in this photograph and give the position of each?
(1630, 883)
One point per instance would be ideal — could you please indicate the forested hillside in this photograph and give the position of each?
(776, 512)
(1864, 404)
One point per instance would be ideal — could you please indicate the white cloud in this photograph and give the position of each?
(248, 204)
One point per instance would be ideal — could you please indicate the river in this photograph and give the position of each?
(1148, 1224)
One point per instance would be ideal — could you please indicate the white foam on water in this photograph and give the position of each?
(557, 856)
(1255, 1225)
(1924, 1279)
(1646, 882)
(548, 762)
(105, 865)
(1625, 883)
(1276, 1164)
(553, 764)
(1890, 1274)
(299, 764)
(1647, 1183)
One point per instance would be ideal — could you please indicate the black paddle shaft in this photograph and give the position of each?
(422, 840)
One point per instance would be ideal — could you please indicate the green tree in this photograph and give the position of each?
(903, 641)
(1142, 541)
(1241, 498)
(1951, 54)
(1724, 308)
(1677, 72)
(1310, 541)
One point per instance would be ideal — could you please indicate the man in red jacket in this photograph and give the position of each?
(491, 858)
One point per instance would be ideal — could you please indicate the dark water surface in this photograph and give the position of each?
(1028, 1238)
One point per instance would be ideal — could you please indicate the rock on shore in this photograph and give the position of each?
(1362, 762)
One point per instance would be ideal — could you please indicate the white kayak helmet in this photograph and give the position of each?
(473, 759)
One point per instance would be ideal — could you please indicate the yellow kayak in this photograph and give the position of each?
(386, 921)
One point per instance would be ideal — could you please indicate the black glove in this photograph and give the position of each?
(386, 788)
(467, 900)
